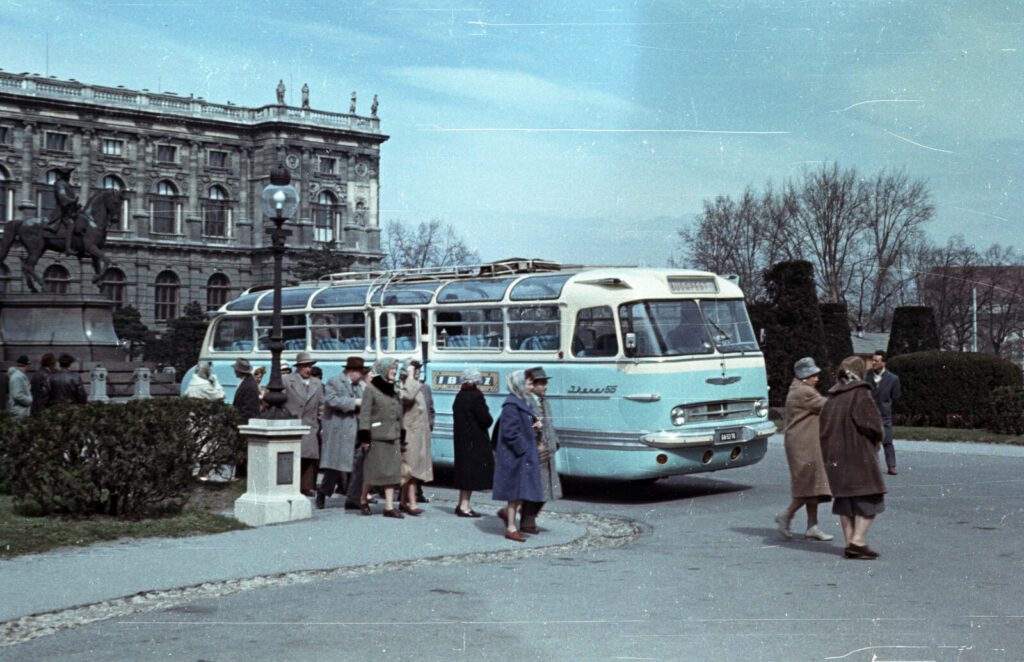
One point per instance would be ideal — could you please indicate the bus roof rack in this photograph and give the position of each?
(506, 267)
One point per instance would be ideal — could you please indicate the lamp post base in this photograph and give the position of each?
(272, 484)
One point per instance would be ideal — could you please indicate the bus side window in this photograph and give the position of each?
(595, 333)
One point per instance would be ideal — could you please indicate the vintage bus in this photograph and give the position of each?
(654, 372)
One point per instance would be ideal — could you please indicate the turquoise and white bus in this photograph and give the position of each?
(654, 372)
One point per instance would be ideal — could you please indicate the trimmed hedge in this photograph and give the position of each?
(913, 330)
(125, 460)
(951, 389)
(1008, 410)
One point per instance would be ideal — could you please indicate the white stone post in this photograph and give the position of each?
(98, 384)
(140, 389)
(272, 485)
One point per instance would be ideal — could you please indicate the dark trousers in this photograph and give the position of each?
(890, 450)
(528, 512)
(309, 467)
(355, 481)
(329, 482)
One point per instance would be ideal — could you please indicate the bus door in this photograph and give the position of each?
(398, 331)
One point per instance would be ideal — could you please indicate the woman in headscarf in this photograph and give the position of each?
(417, 466)
(474, 459)
(808, 481)
(204, 384)
(516, 464)
(382, 435)
(851, 436)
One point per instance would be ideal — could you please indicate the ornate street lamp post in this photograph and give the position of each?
(280, 202)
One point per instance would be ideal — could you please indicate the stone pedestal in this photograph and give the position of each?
(272, 489)
(34, 324)
(98, 384)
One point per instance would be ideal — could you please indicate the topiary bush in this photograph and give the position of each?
(951, 389)
(125, 460)
(1007, 410)
(835, 323)
(913, 330)
(792, 327)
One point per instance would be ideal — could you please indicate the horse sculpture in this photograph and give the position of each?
(102, 209)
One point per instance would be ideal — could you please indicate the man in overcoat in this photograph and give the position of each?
(20, 389)
(41, 381)
(246, 402)
(550, 484)
(306, 402)
(343, 397)
(885, 391)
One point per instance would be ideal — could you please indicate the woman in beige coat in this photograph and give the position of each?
(808, 480)
(416, 462)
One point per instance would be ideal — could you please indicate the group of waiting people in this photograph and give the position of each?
(832, 446)
(53, 384)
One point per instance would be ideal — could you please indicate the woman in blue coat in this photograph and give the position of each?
(516, 464)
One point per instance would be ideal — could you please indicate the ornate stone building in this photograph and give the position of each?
(192, 229)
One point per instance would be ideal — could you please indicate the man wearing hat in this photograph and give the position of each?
(343, 395)
(547, 444)
(20, 398)
(306, 402)
(66, 208)
(247, 395)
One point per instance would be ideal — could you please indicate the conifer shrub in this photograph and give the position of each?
(1007, 410)
(121, 459)
(913, 330)
(835, 324)
(792, 327)
(951, 389)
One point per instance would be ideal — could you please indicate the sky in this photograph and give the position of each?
(593, 131)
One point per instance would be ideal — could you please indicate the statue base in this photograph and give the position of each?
(34, 324)
(272, 488)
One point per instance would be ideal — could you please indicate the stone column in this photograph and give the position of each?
(272, 484)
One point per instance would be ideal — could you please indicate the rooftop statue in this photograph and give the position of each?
(280, 92)
(305, 95)
(70, 228)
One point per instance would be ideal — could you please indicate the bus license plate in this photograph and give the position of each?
(728, 435)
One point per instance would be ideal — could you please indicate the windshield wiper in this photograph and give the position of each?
(720, 330)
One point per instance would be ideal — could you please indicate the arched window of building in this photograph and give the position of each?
(217, 290)
(324, 211)
(166, 296)
(45, 202)
(216, 213)
(6, 197)
(115, 286)
(115, 182)
(56, 279)
(165, 208)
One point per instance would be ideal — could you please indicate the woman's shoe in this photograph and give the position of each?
(409, 510)
(815, 533)
(783, 522)
(364, 509)
(860, 552)
(515, 535)
(393, 513)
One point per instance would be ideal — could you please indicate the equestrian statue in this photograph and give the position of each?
(71, 228)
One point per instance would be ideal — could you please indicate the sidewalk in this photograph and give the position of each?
(332, 538)
(953, 447)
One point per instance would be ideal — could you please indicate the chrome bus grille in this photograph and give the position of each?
(713, 412)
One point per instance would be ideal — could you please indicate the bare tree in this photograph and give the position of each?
(827, 223)
(949, 277)
(429, 244)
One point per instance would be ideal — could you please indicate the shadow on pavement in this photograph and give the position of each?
(771, 537)
(639, 492)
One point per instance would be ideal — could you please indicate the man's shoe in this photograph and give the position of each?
(394, 514)
(814, 533)
(526, 528)
(783, 522)
(321, 500)
(860, 552)
(893, 472)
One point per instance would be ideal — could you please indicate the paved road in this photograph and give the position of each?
(706, 578)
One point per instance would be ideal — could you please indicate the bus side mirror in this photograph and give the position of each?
(630, 341)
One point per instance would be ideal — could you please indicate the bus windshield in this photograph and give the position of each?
(679, 327)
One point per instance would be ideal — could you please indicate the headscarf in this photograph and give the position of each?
(851, 370)
(471, 376)
(516, 382)
(203, 369)
(382, 366)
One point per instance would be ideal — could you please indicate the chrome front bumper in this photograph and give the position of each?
(725, 435)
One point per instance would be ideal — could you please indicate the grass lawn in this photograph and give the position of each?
(953, 434)
(29, 535)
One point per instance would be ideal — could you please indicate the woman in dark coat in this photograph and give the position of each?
(474, 459)
(381, 434)
(851, 436)
(516, 462)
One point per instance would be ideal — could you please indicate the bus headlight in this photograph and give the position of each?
(761, 408)
(678, 415)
